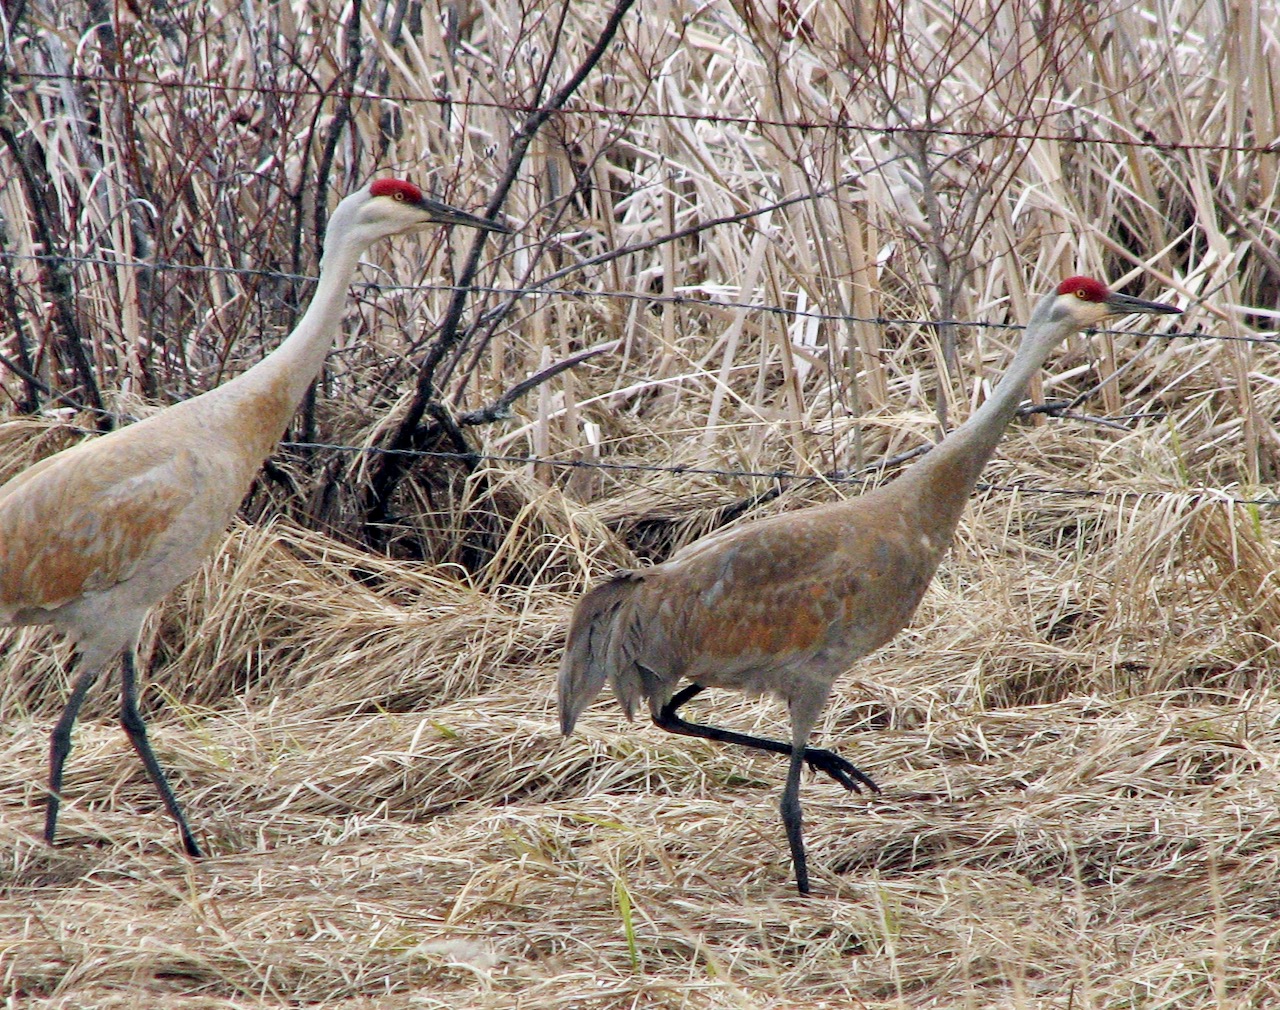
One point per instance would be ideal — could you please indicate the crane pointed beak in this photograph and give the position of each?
(442, 213)
(1123, 305)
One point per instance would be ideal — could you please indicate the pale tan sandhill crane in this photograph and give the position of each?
(785, 604)
(92, 537)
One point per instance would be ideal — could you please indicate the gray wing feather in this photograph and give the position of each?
(590, 655)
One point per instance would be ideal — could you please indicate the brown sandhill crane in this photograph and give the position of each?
(785, 604)
(94, 536)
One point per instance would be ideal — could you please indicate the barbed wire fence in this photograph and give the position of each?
(694, 296)
(589, 108)
(1268, 338)
(779, 476)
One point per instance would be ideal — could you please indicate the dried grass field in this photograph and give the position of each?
(804, 236)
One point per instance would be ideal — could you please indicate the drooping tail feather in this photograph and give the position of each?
(585, 666)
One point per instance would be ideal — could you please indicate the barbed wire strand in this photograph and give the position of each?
(707, 299)
(522, 109)
(836, 477)
(781, 475)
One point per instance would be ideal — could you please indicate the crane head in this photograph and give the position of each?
(1086, 301)
(389, 207)
(396, 199)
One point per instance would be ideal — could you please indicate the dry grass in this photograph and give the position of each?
(1078, 735)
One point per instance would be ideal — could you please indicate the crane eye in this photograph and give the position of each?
(1081, 293)
(398, 196)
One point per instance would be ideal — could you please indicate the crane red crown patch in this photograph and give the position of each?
(397, 189)
(1084, 287)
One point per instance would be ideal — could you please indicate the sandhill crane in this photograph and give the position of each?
(92, 537)
(785, 604)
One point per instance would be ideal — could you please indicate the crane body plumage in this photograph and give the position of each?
(768, 607)
(786, 604)
(129, 516)
(93, 537)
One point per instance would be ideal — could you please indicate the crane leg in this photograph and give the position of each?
(791, 819)
(131, 720)
(60, 747)
(825, 761)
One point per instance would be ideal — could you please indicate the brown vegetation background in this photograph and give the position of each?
(805, 236)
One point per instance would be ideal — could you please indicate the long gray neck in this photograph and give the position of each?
(288, 370)
(943, 480)
(298, 360)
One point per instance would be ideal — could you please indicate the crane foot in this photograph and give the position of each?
(844, 772)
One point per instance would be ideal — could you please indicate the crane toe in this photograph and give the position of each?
(844, 772)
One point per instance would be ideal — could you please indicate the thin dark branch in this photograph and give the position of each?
(888, 461)
(333, 135)
(337, 126)
(440, 414)
(1062, 409)
(493, 316)
(391, 467)
(57, 275)
(1054, 408)
(693, 229)
(33, 383)
(485, 325)
(448, 332)
(24, 367)
(500, 409)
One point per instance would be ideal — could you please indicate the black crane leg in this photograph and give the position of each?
(131, 720)
(791, 819)
(818, 759)
(60, 747)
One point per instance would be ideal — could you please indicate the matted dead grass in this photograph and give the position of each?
(1110, 851)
